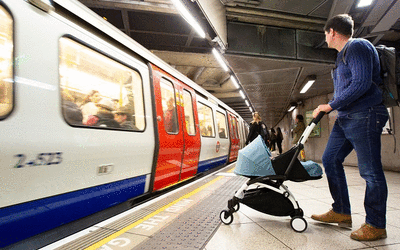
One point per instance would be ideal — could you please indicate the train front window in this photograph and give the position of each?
(221, 122)
(6, 63)
(206, 120)
(98, 91)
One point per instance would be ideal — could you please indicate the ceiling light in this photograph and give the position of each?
(189, 18)
(364, 3)
(293, 105)
(308, 83)
(251, 110)
(247, 103)
(242, 94)
(219, 59)
(235, 82)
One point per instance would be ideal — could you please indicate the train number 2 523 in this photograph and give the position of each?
(41, 159)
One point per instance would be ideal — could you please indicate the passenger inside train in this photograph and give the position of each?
(170, 119)
(104, 116)
(72, 112)
(124, 118)
(88, 105)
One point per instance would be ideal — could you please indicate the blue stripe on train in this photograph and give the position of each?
(212, 163)
(28, 219)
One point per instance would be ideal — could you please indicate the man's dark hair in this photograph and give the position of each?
(342, 24)
(300, 117)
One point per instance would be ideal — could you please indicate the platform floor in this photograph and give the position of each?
(188, 219)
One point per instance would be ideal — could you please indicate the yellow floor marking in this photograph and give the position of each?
(113, 236)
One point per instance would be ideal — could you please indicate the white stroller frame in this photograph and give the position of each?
(275, 184)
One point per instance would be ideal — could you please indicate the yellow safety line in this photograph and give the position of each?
(113, 236)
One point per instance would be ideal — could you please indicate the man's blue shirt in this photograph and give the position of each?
(354, 78)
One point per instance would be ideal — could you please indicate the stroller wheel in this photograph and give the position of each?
(298, 224)
(236, 207)
(226, 217)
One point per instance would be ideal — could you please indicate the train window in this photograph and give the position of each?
(221, 123)
(6, 63)
(236, 128)
(169, 107)
(233, 127)
(98, 91)
(206, 120)
(189, 115)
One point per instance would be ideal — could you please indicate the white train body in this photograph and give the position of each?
(54, 171)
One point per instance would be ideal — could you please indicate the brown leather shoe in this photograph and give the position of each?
(343, 220)
(368, 233)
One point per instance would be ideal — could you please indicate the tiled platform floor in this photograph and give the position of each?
(252, 230)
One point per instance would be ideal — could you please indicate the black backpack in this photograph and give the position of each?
(390, 74)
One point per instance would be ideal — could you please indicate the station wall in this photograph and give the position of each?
(315, 146)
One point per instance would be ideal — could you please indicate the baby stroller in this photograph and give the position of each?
(265, 191)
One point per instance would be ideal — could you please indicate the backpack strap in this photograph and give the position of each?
(345, 50)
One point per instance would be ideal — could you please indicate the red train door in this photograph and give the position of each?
(234, 137)
(179, 140)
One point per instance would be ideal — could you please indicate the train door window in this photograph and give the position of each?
(206, 120)
(189, 114)
(221, 123)
(235, 125)
(233, 128)
(98, 91)
(169, 106)
(6, 63)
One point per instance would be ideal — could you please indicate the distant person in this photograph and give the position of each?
(279, 139)
(272, 145)
(88, 105)
(170, 119)
(255, 128)
(104, 116)
(298, 129)
(359, 123)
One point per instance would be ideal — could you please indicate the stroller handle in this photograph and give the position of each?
(318, 118)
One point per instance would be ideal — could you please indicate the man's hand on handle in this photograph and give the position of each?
(323, 107)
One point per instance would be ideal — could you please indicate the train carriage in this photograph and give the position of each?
(90, 119)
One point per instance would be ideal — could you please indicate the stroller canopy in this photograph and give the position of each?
(254, 159)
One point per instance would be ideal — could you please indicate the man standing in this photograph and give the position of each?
(361, 117)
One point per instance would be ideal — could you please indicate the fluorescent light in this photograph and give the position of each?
(364, 3)
(291, 108)
(219, 59)
(189, 18)
(242, 94)
(234, 82)
(247, 103)
(251, 110)
(307, 86)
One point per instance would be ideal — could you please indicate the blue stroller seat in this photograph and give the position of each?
(255, 160)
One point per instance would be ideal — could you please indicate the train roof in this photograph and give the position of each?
(96, 21)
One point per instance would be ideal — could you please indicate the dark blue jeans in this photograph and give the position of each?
(360, 131)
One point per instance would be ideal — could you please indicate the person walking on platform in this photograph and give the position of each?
(255, 128)
(361, 116)
(297, 132)
(298, 128)
(279, 139)
(272, 140)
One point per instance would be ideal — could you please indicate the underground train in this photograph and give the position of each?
(90, 119)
